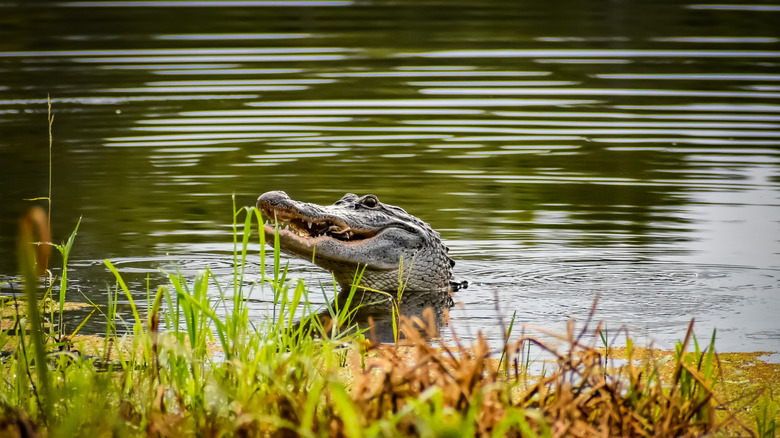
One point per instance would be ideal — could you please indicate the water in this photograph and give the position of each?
(626, 151)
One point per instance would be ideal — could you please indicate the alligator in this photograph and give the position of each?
(394, 250)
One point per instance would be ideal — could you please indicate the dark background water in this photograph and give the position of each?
(563, 149)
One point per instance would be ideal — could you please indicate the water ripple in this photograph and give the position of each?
(204, 4)
(607, 53)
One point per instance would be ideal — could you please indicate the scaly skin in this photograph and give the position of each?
(361, 232)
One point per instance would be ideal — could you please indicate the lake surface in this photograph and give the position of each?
(564, 150)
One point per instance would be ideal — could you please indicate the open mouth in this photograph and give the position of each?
(308, 228)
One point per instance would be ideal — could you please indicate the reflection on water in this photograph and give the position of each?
(562, 155)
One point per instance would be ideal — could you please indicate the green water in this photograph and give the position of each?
(563, 149)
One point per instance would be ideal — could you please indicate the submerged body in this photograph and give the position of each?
(394, 250)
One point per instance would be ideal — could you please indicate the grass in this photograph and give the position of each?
(196, 364)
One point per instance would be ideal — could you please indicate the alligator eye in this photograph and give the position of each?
(370, 201)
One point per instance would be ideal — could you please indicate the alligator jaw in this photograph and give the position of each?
(307, 231)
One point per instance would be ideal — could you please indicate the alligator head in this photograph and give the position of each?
(394, 250)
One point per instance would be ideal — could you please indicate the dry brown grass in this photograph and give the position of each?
(582, 394)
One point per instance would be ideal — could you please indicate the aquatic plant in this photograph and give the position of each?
(765, 413)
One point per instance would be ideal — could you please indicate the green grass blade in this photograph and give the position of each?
(349, 414)
(65, 251)
(125, 290)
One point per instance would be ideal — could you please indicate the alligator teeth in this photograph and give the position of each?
(337, 229)
(312, 228)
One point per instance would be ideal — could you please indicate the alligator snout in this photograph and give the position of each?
(272, 199)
